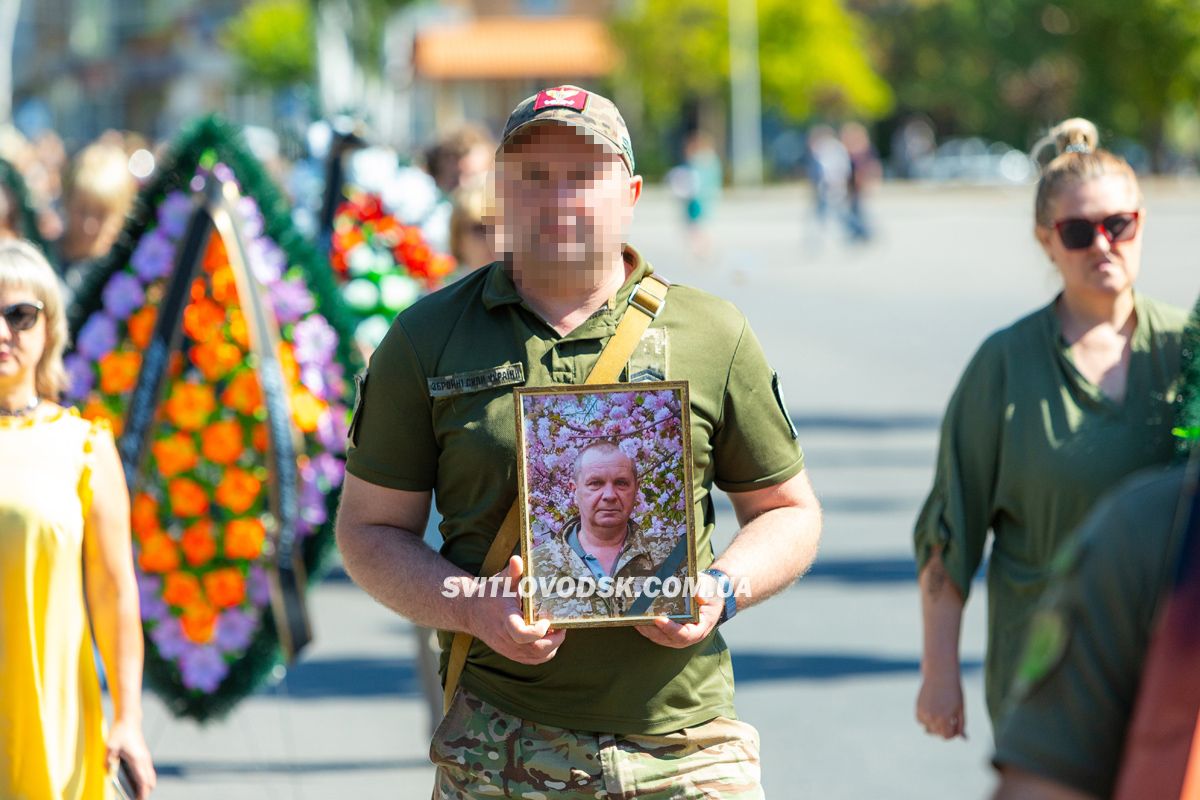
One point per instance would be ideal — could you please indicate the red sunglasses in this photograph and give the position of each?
(1079, 234)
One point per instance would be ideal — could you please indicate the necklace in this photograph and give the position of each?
(20, 412)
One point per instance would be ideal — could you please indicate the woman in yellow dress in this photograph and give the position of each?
(64, 536)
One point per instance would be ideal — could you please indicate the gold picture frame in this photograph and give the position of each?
(576, 446)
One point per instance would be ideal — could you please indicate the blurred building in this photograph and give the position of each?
(81, 66)
(85, 65)
(480, 57)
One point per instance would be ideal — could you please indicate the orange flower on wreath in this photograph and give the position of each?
(188, 498)
(158, 553)
(440, 266)
(175, 453)
(238, 331)
(198, 543)
(199, 622)
(243, 393)
(258, 437)
(190, 405)
(225, 587)
(224, 286)
(202, 319)
(223, 441)
(143, 515)
(216, 256)
(216, 359)
(181, 589)
(244, 538)
(96, 409)
(119, 371)
(307, 409)
(141, 326)
(287, 363)
(238, 490)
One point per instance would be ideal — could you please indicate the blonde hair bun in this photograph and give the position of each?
(1075, 135)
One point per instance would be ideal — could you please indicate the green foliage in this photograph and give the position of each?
(1008, 69)
(1187, 411)
(11, 178)
(274, 41)
(812, 59)
(367, 20)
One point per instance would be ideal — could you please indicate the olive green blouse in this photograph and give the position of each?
(1028, 445)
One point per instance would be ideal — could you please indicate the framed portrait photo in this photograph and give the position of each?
(608, 531)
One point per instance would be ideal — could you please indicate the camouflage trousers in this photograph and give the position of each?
(483, 752)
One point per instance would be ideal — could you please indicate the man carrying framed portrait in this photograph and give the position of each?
(535, 707)
(606, 504)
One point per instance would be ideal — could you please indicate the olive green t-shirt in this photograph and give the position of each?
(1074, 696)
(461, 444)
(1027, 447)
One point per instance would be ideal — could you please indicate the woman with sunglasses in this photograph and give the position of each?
(64, 538)
(1050, 413)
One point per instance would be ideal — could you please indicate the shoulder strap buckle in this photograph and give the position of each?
(646, 301)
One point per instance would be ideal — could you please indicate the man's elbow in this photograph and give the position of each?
(348, 534)
(809, 527)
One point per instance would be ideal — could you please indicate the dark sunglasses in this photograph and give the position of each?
(21, 316)
(1079, 234)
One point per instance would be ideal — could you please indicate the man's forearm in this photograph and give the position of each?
(399, 570)
(771, 551)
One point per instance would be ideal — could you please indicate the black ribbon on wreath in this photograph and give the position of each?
(214, 215)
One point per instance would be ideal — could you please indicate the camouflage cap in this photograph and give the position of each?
(573, 106)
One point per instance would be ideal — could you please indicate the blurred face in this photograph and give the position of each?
(20, 350)
(605, 490)
(564, 198)
(92, 227)
(476, 246)
(1103, 266)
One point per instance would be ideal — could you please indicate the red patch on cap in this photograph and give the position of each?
(561, 97)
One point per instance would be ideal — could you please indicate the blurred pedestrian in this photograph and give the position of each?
(65, 562)
(1050, 413)
(865, 174)
(460, 157)
(471, 235)
(697, 183)
(45, 182)
(11, 217)
(100, 191)
(829, 173)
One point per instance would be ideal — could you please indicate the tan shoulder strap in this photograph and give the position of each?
(645, 304)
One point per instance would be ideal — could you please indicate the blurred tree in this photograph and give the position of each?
(1007, 69)
(351, 51)
(811, 54)
(274, 42)
(369, 19)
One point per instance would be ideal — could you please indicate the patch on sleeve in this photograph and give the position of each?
(649, 360)
(777, 389)
(360, 399)
(1044, 650)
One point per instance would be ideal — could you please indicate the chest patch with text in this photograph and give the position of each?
(476, 380)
